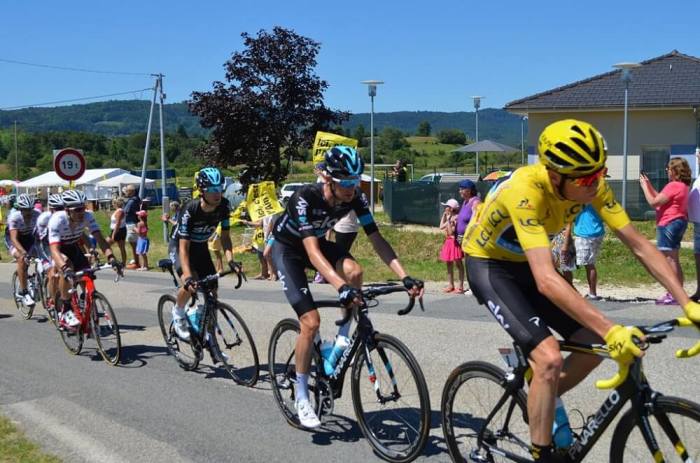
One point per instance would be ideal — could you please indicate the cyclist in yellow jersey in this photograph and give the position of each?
(510, 268)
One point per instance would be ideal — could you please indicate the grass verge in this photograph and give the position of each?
(16, 448)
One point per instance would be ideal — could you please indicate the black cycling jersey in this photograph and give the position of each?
(308, 214)
(197, 226)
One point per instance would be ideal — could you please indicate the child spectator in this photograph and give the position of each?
(451, 253)
(142, 242)
(588, 236)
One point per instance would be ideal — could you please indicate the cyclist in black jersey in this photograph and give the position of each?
(299, 243)
(188, 245)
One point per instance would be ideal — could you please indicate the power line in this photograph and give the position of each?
(74, 99)
(66, 68)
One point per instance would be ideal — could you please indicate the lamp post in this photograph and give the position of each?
(372, 91)
(626, 77)
(16, 156)
(477, 105)
(522, 139)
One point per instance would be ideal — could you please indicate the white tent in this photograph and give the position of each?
(123, 179)
(87, 181)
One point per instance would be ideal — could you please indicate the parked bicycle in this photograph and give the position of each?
(93, 310)
(221, 330)
(392, 405)
(33, 287)
(484, 412)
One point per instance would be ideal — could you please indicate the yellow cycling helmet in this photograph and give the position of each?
(573, 148)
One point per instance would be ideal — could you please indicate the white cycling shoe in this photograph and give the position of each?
(180, 324)
(307, 415)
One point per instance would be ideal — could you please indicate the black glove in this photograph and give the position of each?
(347, 294)
(116, 265)
(409, 282)
(68, 273)
(189, 282)
(235, 266)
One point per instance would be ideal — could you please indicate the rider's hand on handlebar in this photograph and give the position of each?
(190, 285)
(235, 267)
(414, 286)
(347, 295)
(68, 273)
(622, 348)
(692, 312)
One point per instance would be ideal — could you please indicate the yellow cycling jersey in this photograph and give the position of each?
(523, 212)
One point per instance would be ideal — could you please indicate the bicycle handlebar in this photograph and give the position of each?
(654, 334)
(91, 270)
(370, 293)
(208, 279)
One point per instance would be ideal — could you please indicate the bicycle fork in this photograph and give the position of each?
(376, 381)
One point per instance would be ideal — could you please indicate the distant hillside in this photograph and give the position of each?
(126, 117)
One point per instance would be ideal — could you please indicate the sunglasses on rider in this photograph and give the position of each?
(347, 182)
(76, 209)
(588, 180)
(214, 189)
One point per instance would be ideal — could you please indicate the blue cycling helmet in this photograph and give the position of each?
(208, 177)
(343, 161)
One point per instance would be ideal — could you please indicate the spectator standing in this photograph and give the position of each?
(170, 218)
(142, 242)
(694, 217)
(268, 225)
(451, 253)
(400, 171)
(564, 253)
(671, 206)
(588, 237)
(131, 207)
(117, 227)
(470, 201)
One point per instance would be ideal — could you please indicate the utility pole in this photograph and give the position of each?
(142, 186)
(165, 201)
(16, 156)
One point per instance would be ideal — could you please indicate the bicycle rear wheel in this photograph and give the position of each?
(24, 310)
(234, 341)
(183, 351)
(391, 401)
(675, 424)
(282, 368)
(106, 329)
(470, 395)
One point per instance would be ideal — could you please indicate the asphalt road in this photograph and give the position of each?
(149, 409)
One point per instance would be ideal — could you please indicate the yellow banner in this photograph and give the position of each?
(262, 200)
(236, 214)
(324, 141)
(259, 239)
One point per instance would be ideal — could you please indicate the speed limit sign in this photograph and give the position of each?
(69, 163)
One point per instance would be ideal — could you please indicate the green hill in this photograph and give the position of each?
(125, 117)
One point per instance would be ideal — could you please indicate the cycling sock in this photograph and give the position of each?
(179, 312)
(541, 453)
(344, 330)
(302, 386)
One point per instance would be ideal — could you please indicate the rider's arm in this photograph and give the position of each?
(386, 253)
(320, 263)
(553, 286)
(226, 244)
(56, 255)
(655, 263)
(104, 246)
(14, 237)
(184, 252)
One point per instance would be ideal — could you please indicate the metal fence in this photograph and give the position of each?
(419, 203)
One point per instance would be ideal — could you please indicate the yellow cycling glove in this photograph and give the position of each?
(692, 311)
(623, 350)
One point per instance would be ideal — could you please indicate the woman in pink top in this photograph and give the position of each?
(671, 206)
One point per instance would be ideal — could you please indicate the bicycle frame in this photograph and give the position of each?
(83, 314)
(198, 334)
(635, 389)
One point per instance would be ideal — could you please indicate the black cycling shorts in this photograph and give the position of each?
(75, 255)
(291, 265)
(201, 264)
(509, 291)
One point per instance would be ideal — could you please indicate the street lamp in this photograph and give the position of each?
(626, 68)
(522, 140)
(372, 90)
(477, 105)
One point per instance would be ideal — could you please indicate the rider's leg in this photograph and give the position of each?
(577, 366)
(546, 362)
(21, 270)
(309, 324)
(351, 272)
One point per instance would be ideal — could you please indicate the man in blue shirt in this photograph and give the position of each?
(588, 232)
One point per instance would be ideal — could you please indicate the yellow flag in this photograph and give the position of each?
(236, 214)
(262, 200)
(324, 141)
(259, 239)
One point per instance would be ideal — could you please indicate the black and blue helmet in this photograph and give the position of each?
(343, 161)
(208, 177)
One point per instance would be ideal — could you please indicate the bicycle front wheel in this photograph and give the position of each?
(235, 343)
(24, 310)
(391, 399)
(72, 338)
(675, 426)
(106, 329)
(183, 351)
(471, 394)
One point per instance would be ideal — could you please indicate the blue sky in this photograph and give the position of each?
(432, 55)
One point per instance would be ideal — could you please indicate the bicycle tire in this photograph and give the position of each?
(234, 340)
(73, 340)
(283, 372)
(106, 329)
(25, 311)
(622, 449)
(176, 346)
(44, 285)
(383, 428)
(489, 379)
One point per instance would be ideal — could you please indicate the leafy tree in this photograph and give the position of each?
(360, 134)
(391, 139)
(452, 137)
(270, 106)
(424, 129)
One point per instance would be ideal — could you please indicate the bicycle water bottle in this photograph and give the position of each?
(195, 314)
(561, 429)
(333, 352)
